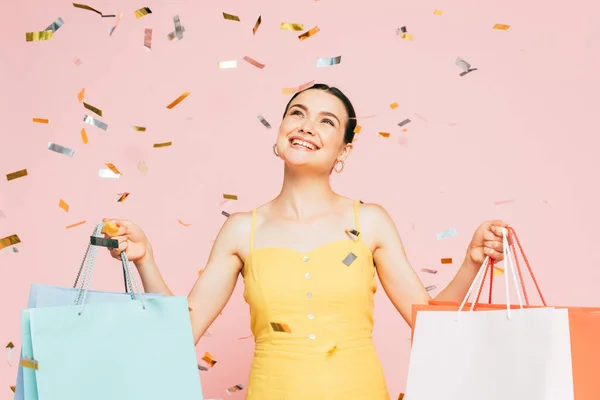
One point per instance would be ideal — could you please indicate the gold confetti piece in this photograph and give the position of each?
(446, 260)
(228, 64)
(123, 197)
(357, 129)
(17, 174)
(38, 36)
(437, 12)
(111, 30)
(430, 288)
(41, 120)
(165, 144)
(85, 7)
(75, 224)
(110, 229)
(95, 122)
(10, 345)
(465, 66)
(178, 100)
(394, 105)
(384, 134)
(231, 17)
(264, 122)
(93, 109)
(230, 196)
(309, 33)
(113, 168)
(142, 12)
(327, 62)
(136, 128)
(498, 271)
(501, 27)
(148, 39)
(9, 241)
(254, 62)
(142, 167)
(226, 214)
(13, 388)
(201, 271)
(29, 363)
(349, 259)
(288, 26)
(63, 204)
(183, 223)
(401, 396)
(57, 148)
(332, 350)
(429, 271)
(84, 137)
(209, 359)
(407, 36)
(81, 95)
(256, 25)
(280, 327)
(234, 389)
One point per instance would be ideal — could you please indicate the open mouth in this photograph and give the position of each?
(303, 145)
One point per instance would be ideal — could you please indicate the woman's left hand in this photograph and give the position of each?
(487, 241)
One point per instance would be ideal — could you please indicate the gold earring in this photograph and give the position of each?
(275, 150)
(335, 167)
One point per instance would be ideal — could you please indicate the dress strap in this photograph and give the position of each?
(252, 229)
(356, 219)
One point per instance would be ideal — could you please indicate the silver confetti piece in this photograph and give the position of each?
(61, 149)
(349, 259)
(178, 27)
(171, 35)
(234, 389)
(55, 25)
(95, 122)
(326, 62)
(446, 234)
(107, 173)
(202, 368)
(406, 121)
(14, 249)
(430, 288)
(225, 213)
(264, 122)
(465, 66)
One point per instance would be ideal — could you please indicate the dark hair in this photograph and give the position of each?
(351, 124)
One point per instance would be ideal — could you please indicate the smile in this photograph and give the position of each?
(302, 144)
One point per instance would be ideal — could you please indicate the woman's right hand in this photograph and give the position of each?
(132, 240)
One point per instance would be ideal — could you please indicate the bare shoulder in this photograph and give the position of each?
(234, 235)
(372, 213)
(376, 224)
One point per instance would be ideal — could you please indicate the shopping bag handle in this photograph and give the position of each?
(88, 267)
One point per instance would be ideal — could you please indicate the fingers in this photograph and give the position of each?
(116, 253)
(122, 226)
(494, 245)
(496, 255)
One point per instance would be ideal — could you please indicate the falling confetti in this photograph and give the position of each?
(288, 26)
(254, 62)
(165, 144)
(93, 109)
(57, 148)
(230, 196)
(123, 197)
(148, 39)
(29, 363)
(142, 12)
(394, 105)
(446, 260)
(228, 64)
(353, 232)
(171, 35)
(437, 12)
(41, 120)
(349, 259)
(430, 288)
(143, 168)
(38, 36)
(75, 224)
(86, 7)
(234, 389)
(226, 214)
(178, 100)
(55, 25)
(114, 169)
(13, 388)
(136, 128)
(178, 27)
(280, 327)
(9, 241)
(111, 30)
(10, 346)
(81, 95)
(327, 62)
(77, 61)
(231, 17)
(402, 32)
(63, 204)
(357, 129)
(384, 134)
(209, 359)
(95, 122)
(465, 66)
(429, 271)
(498, 271)
(256, 25)
(500, 202)
(446, 234)
(84, 137)
(18, 174)
(501, 27)
(402, 123)
(293, 90)
(309, 33)
(401, 396)
(183, 223)
(264, 122)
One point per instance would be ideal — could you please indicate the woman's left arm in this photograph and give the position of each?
(398, 278)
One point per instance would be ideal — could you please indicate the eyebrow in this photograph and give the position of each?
(303, 107)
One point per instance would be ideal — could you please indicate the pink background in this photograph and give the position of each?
(520, 128)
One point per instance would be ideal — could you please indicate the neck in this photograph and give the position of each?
(304, 195)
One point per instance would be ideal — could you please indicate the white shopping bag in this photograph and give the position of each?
(516, 354)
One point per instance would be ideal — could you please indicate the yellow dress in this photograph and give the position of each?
(312, 320)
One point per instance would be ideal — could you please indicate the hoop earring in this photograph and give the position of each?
(335, 167)
(275, 150)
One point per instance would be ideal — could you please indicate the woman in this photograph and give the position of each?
(308, 261)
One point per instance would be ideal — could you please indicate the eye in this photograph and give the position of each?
(296, 112)
(328, 121)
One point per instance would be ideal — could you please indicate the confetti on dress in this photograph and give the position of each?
(136, 128)
(178, 100)
(327, 62)
(264, 122)
(75, 224)
(254, 62)
(63, 204)
(142, 167)
(148, 39)
(288, 26)
(110, 228)
(9, 241)
(123, 197)
(429, 271)
(57, 148)
(280, 327)
(394, 105)
(309, 33)
(84, 137)
(437, 12)
(230, 196)
(228, 64)
(234, 389)
(501, 27)
(41, 120)
(404, 122)
(430, 288)
(384, 134)
(465, 66)
(111, 30)
(95, 122)
(38, 36)
(104, 242)
(231, 17)
(86, 7)
(107, 173)
(256, 25)
(446, 234)
(446, 260)
(142, 12)
(164, 144)
(17, 174)
(349, 259)
(55, 25)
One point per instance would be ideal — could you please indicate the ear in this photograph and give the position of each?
(345, 152)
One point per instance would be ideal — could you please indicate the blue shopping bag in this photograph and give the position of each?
(101, 347)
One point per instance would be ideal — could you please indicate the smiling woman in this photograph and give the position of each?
(308, 261)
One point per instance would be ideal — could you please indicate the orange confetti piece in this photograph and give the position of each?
(309, 33)
(209, 359)
(394, 105)
(256, 25)
(183, 223)
(76, 224)
(84, 137)
(384, 134)
(254, 62)
(178, 100)
(113, 168)
(62, 204)
(501, 27)
(123, 197)
(200, 272)
(81, 95)
(357, 129)
(446, 260)
(41, 120)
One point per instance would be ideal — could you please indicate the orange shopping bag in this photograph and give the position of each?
(584, 326)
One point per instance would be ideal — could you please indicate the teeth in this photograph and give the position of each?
(304, 144)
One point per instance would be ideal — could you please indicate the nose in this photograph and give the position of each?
(307, 127)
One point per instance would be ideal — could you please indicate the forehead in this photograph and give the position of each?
(317, 100)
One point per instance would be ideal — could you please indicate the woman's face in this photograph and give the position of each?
(312, 131)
